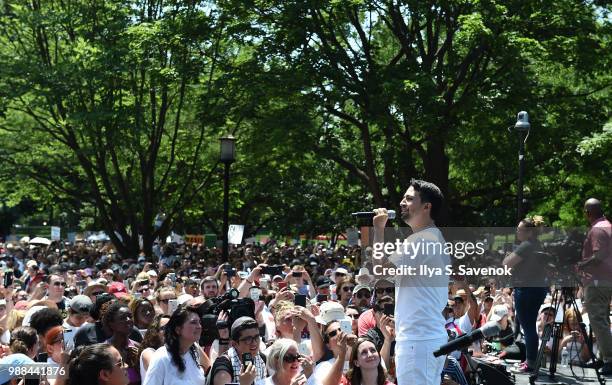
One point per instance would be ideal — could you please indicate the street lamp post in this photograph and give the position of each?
(522, 126)
(227, 156)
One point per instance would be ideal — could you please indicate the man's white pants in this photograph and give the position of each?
(415, 363)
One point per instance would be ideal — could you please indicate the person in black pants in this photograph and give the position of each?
(526, 274)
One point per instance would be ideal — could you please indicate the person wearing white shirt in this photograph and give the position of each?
(419, 300)
(180, 361)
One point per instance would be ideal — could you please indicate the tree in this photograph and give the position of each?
(96, 105)
(402, 88)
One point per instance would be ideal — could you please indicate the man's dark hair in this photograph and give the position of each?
(45, 319)
(429, 193)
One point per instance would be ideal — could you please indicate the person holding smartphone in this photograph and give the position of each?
(232, 366)
(302, 281)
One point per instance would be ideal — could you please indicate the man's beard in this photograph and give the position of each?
(405, 215)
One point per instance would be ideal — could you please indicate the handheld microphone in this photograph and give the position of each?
(372, 214)
(489, 329)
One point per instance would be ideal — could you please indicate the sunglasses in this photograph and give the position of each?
(353, 316)
(250, 339)
(333, 333)
(348, 288)
(291, 358)
(166, 300)
(388, 290)
(97, 293)
(361, 295)
(119, 363)
(59, 283)
(143, 289)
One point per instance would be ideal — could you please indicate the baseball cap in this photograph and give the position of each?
(323, 282)
(31, 263)
(331, 311)
(498, 312)
(81, 304)
(361, 287)
(152, 273)
(118, 289)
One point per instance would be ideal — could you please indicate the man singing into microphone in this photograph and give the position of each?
(419, 300)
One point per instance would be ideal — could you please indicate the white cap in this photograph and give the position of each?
(331, 311)
(498, 312)
(152, 273)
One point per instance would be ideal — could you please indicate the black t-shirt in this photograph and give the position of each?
(94, 333)
(224, 364)
(530, 270)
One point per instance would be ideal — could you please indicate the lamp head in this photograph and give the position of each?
(522, 121)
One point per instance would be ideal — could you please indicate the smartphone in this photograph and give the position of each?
(282, 284)
(264, 283)
(246, 358)
(68, 338)
(230, 271)
(255, 293)
(172, 305)
(8, 278)
(296, 274)
(389, 309)
(272, 270)
(321, 298)
(300, 300)
(138, 295)
(346, 326)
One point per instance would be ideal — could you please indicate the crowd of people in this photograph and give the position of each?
(274, 314)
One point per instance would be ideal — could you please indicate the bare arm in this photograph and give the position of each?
(512, 260)
(335, 374)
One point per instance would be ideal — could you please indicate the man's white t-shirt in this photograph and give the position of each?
(419, 300)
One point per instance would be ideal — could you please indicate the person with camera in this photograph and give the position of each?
(242, 363)
(596, 267)
(526, 269)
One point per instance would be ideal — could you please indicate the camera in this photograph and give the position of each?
(209, 313)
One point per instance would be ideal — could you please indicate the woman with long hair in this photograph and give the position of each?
(153, 340)
(180, 359)
(573, 340)
(365, 365)
(143, 312)
(526, 269)
(97, 364)
(117, 317)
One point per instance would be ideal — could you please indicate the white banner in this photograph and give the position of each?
(55, 233)
(234, 234)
